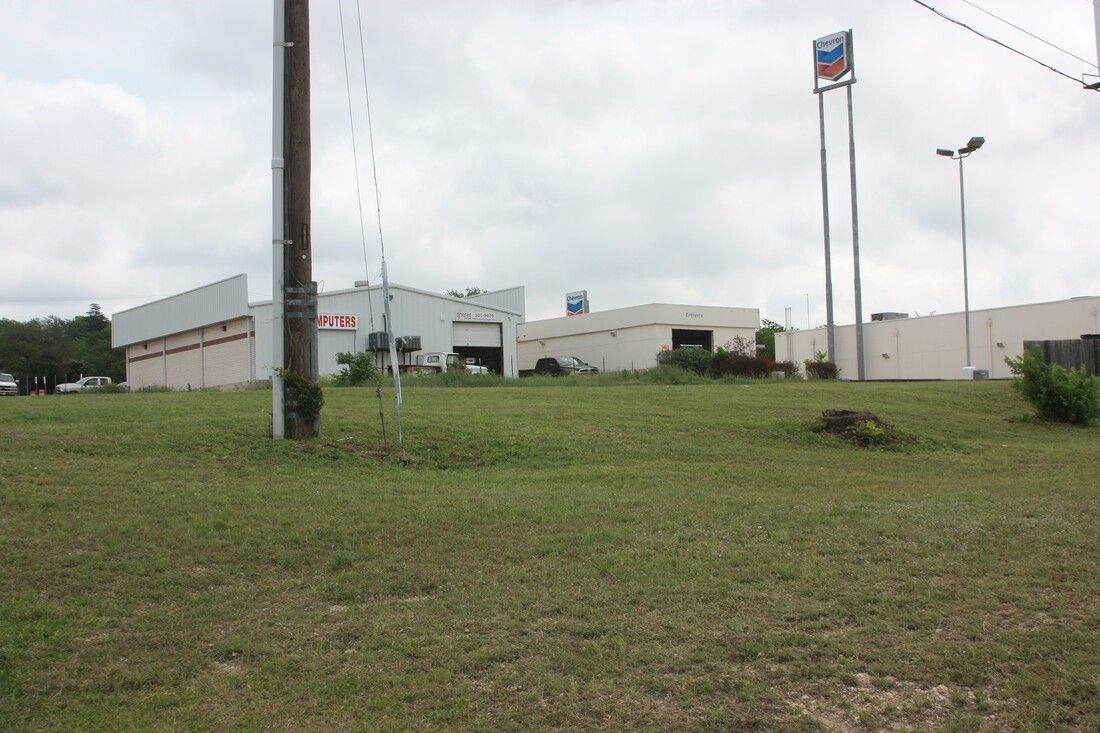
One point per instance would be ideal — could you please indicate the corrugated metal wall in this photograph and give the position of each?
(221, 301)
(416, 313)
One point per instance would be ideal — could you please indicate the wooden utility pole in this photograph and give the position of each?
(301, 291)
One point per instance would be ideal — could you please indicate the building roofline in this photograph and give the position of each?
(409, 289)
(190, 290)
(954, 313)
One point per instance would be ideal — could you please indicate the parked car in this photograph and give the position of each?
(556, 366)
(83, 384)
(8, 386)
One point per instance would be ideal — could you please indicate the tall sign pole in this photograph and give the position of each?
(300, 302)
(860, 364)
(833, 60)
(278, 224)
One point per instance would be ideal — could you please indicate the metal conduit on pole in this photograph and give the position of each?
(278, 223)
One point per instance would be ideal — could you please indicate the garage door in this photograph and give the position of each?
(476, 334)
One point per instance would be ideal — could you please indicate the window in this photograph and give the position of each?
(433, 359)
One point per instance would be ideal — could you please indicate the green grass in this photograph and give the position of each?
(613, 555)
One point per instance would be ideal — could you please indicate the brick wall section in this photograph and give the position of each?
(227, 353)
(184, 360)
(224, 358)
(145, 364)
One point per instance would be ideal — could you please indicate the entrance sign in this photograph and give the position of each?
(832, 56)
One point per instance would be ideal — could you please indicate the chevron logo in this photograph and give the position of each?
(831, 54)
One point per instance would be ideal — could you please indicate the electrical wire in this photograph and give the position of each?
(355, 162)
(370, 130)
(994, 40)
(1024, 30)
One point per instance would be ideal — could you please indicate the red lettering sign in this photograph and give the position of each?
(338, 321)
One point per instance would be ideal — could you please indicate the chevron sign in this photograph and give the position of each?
(833, 56)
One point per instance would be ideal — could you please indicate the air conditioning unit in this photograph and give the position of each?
(378, 341)
(408, 343)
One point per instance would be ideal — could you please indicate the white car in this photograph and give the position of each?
(83, 384)
(8, 385)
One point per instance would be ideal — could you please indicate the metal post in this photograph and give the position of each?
(966, 275)
(393, 356)
(860, 375)
(808, 312)
(278, 224)
(825, 224)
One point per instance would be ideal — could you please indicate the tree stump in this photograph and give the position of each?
(840, 422)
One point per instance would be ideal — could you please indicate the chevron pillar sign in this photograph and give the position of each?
(833, 56)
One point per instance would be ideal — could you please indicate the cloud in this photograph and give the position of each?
(646, 152)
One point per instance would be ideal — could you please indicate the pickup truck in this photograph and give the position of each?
(437, 361)
(556, 366)
(83, 384)
(8, 385)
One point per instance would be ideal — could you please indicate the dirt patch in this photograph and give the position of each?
(232, 665)
(887, 704)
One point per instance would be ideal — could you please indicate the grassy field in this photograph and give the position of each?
(566, 557)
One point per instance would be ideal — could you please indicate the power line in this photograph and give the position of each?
(994, 40)
(355, 160)
(370, 130)
(1024, 30)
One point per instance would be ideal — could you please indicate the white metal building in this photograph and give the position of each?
(630, 338)
(213, 337)
(934, 347)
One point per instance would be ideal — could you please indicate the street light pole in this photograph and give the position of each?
(966, 275)
(964, 152)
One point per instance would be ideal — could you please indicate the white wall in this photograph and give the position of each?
(934, 347)
(415, 312)
(640, 332)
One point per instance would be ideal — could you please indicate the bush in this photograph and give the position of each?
(821, 370)
(734, 364)
(1055, 392)
(356, 369)
(669, 374)
(689, 359)
(789, 368)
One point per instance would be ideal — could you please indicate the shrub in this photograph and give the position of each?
(669, 374)
(787, 367)
(356, 369)
(1055, 392)
(821, 370)
(689, 359)
(734, 364)
(868, 432)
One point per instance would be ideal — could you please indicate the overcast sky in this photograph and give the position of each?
(646, 152)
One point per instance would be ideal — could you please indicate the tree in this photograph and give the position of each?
(469, 292)
(766, 335)
(61, 348)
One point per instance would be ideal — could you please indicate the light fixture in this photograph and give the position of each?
(614, 333)
(944, 152)
(975, 143)
(885, 356)
(1001, 344)
(542, 343)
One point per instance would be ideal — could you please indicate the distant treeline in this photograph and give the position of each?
(60, 349)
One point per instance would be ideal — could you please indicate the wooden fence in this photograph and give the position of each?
(1071, 353)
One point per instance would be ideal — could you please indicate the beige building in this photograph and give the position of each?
(212, 336)
(934, 347)
(630, 338)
